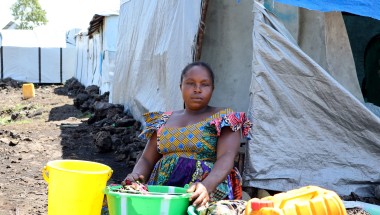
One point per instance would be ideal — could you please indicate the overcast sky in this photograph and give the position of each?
(64, 14)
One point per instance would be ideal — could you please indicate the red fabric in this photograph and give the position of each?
(237, 189)
(235, 121)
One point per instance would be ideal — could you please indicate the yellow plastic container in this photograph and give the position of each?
(75, 186)
(28, 91)
(309, 200)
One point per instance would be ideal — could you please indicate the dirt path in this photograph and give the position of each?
(35, 131)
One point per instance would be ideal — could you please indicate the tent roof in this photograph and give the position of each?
(97, 21)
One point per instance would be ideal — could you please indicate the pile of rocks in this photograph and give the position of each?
(112, 128)
(9, 83)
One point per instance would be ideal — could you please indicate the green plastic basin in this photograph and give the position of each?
(161, 203)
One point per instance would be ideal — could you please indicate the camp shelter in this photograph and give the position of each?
(310, 123)
(95, 51)
(37, 56)
(310, 128)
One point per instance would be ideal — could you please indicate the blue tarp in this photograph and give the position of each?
(370, 8)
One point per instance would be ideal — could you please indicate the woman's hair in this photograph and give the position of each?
(201, 64)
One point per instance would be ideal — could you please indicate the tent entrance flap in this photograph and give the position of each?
(371, 81)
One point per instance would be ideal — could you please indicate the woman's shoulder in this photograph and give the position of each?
(227, 117)
(228, 113)
(154, 116)
(222, 111)
(153, 121)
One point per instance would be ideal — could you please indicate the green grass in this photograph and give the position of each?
(5, 114)
(7, 121)
(20, 107)
(85, 115)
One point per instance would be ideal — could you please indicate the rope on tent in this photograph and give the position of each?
(201, 29)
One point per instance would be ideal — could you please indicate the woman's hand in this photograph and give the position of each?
(134, 177)
(145, 164)
(200, 196)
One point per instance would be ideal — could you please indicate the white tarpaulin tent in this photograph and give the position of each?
(156, 41)
(95, 51)
(37, 56)
(307, 128)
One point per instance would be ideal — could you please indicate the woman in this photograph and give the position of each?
(196, 145)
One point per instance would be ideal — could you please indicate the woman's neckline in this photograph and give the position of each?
(204, 119)
(199, 112)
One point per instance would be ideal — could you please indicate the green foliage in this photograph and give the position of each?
(8, 121)
(28, 14)
(6, 112)
(85, 115)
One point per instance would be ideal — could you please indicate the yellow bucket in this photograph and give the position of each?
(28, 91)
(75, 187)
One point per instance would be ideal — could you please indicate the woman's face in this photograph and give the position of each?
(196, 88)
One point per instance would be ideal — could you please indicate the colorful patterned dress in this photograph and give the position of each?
(189, 153)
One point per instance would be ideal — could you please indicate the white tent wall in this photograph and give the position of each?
(88, 70)
(96, 55)
(110, 33)
(307, 128)
(68, 63)
(36, 56)
(108, 67)
(81, 58)
(156, 41)
(25, 68)
(50, 73)
(109, 51)
(227, 48)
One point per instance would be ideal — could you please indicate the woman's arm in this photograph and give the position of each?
(227, 147)
(145, 164)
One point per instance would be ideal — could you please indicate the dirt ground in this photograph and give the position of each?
(35, 131)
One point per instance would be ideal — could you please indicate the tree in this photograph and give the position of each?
(28, 14)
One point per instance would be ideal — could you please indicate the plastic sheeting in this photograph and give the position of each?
(307, 128)
(96, 54)
(37, 56)
(368, 8)
(157, 41)
(89, 51)
(33, 38)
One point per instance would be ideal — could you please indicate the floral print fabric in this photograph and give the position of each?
(189, 153)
